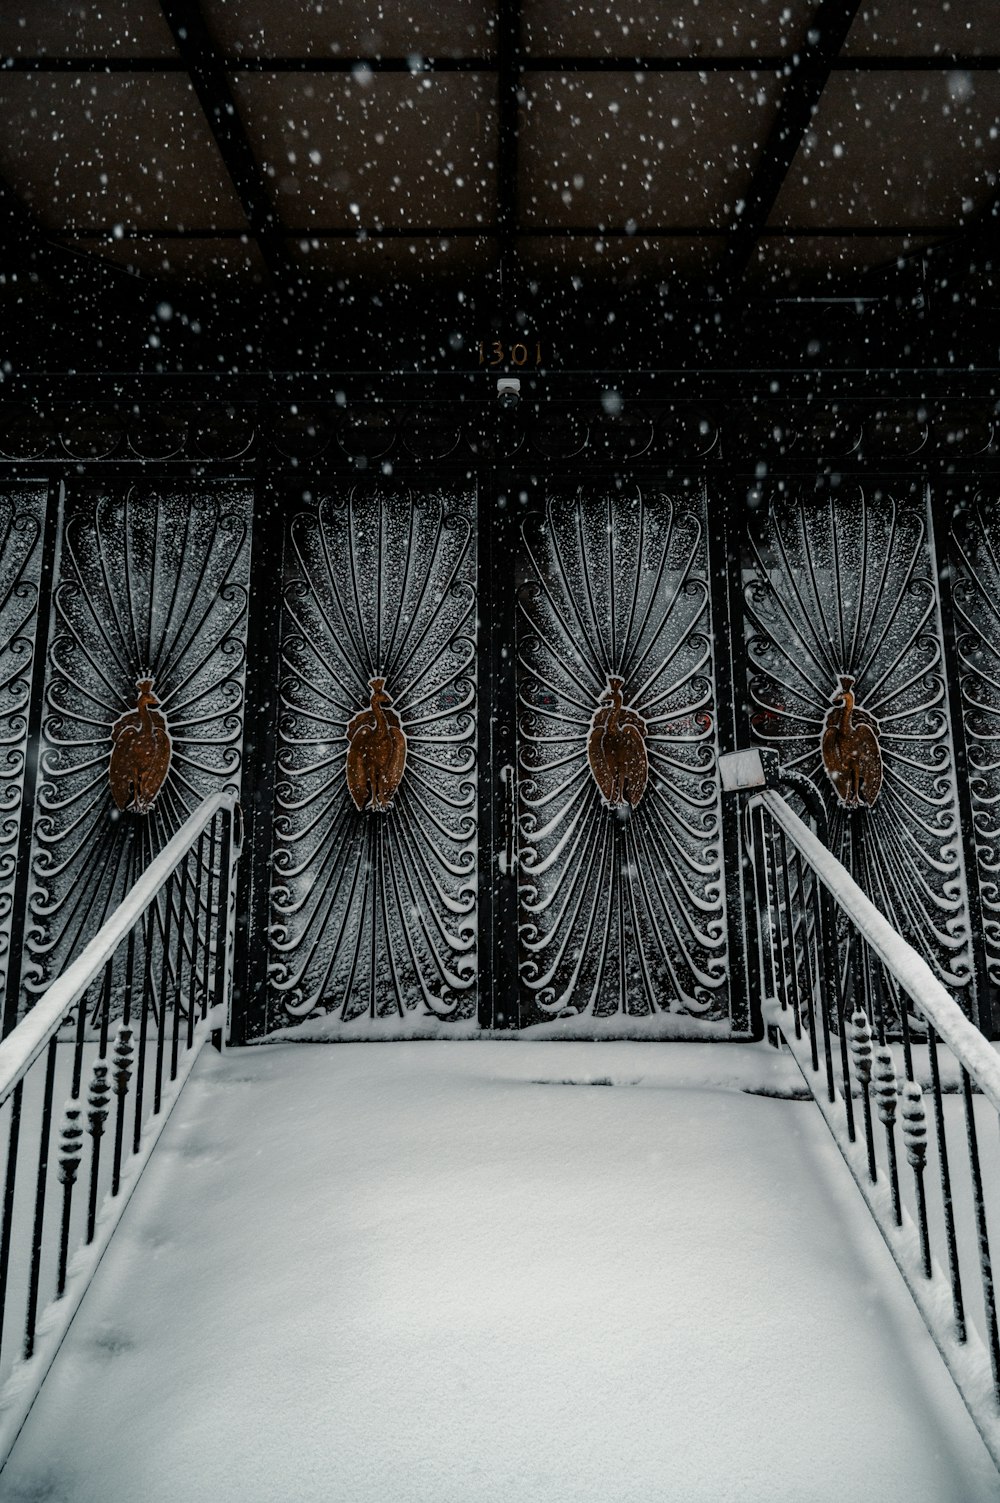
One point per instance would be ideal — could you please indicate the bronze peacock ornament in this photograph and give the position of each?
(852, 756)
(616, 749)
(140, 752)
(376, 752)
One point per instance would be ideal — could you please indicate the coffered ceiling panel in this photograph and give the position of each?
(631, 260)
(96, 150)
(924, 152)
(84, 28)
(726, 28)
(212, 140)
(328, 28)
(380, 149)
(815, 259)
(663, 150)
(923, 28)
(213, 260)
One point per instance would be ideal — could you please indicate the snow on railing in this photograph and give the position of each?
(866, 1019)
(118, 1034)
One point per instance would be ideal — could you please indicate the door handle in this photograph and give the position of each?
(507, 858)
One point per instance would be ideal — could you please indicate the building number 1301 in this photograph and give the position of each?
(509, 354)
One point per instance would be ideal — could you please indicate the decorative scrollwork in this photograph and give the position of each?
(22, 510)
(150, 586)
(976, 538)
(622, 908)
(842, 590)
(374, 908)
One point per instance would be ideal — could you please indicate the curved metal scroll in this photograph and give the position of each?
(976, 538)
(374, 911)
(22, 511)
(622, 908)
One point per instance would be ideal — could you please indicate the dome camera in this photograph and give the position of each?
(508, 392)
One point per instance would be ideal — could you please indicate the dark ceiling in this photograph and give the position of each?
(495, 151)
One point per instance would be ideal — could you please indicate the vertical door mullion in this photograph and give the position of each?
(250, 962)
(43, 617)
(498, 1006)
(724, 509)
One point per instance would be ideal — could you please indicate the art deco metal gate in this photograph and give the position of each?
(844, 640)
(622, 911)
(373, 909)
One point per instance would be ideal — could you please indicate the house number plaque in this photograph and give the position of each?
(496, 353)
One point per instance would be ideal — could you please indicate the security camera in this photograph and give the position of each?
(508, 392)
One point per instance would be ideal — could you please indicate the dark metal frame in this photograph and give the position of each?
(815, 424)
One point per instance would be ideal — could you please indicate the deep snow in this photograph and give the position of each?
(454, 1272)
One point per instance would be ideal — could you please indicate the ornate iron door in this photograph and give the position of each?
(373, 914)
(622, 909)
(143, 696)
(846, 681)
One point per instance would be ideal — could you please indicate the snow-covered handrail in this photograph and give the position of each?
(24, 1044)
(898, 956)
(154, 985)
(876, 1034)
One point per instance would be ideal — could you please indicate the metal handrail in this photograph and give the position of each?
(158, 974)
(898, 956)
(842, 988)
(23, 1045)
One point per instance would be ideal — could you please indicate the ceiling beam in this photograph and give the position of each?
(630, 231)
(808, 74)
(206, 68)
(979, 62)
(508, 124)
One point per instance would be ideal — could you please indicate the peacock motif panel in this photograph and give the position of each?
(976, 595)
(374, 926)
(622, 918)
(846, 682)
(143, 698)
(22, 518)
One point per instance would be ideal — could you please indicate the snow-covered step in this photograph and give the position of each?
(398, 1273)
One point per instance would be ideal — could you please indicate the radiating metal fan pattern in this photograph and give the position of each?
(150, 585)
(845, 587)
(622, 908)
(22, 512)
(374, 907)
(976, 549)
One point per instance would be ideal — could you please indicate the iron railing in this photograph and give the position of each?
(908, 1086)
(116, 1037)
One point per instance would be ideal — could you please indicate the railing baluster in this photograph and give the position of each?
(812, 982)
(122, 1060)
(70, 1153)
(861, 1049)
(161, 1020)
(97, 1113)
(147, 988)
(982, 1233)
(208, 944)
(40, 1183)
(823, 969)
(884, 1085)
(179, 974)
(192, 1003)
(914, 1127)
(951, 1240)
(10, 1185)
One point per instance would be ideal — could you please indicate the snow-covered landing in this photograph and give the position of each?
(442, 1273)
